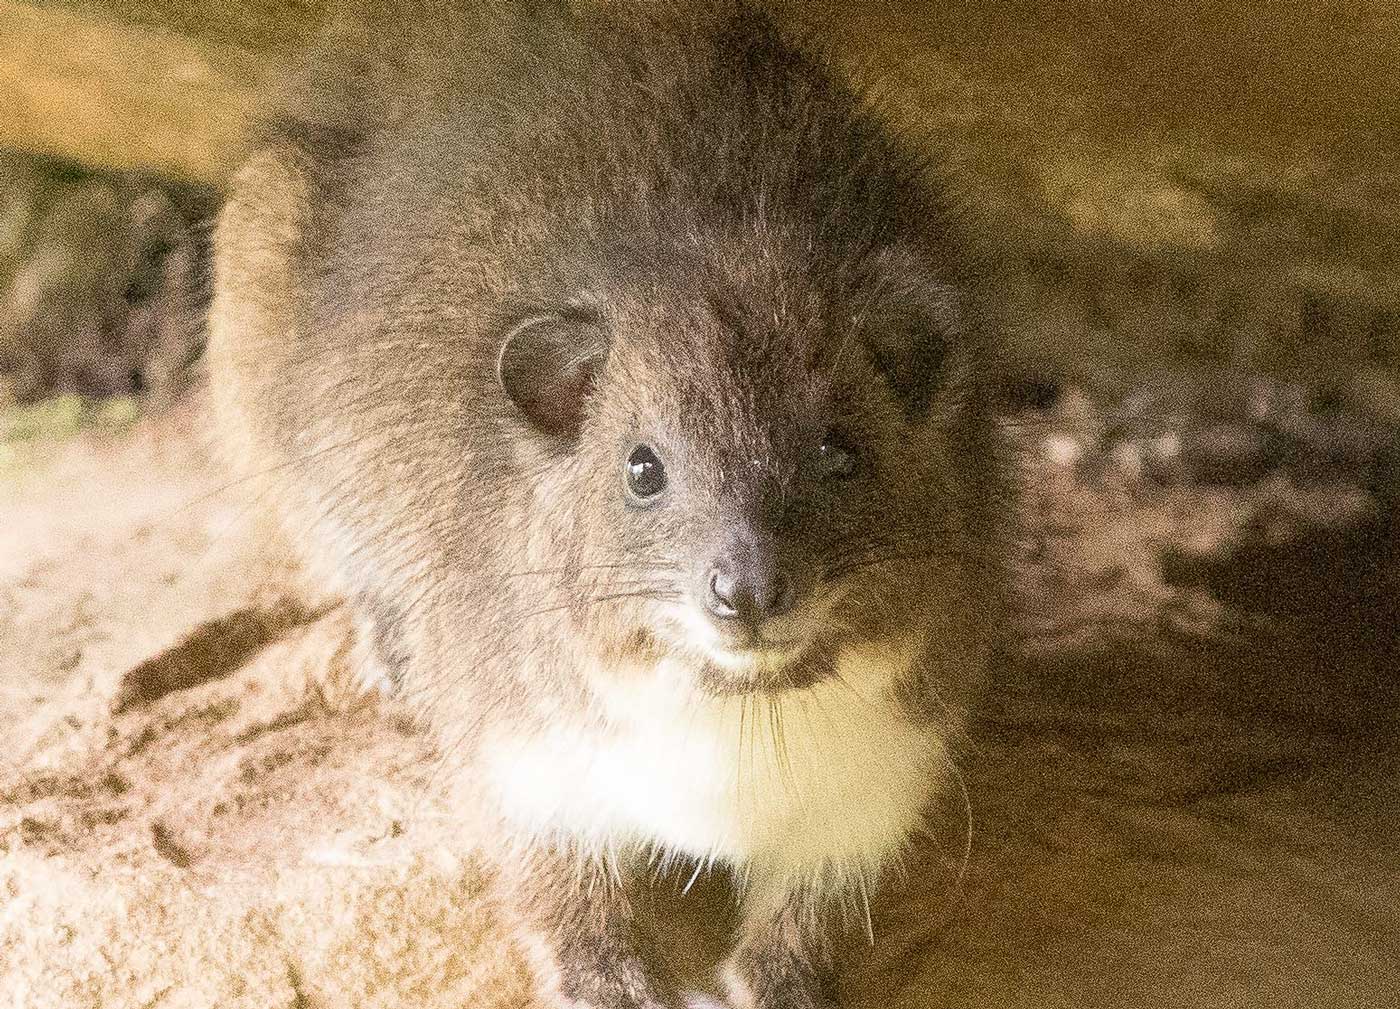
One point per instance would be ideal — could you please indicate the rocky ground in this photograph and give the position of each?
(1183, 787)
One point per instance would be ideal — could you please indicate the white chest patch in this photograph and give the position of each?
(817, 787)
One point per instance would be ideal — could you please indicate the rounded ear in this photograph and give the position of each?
(912, 362)
(911, 347)
(547, 367)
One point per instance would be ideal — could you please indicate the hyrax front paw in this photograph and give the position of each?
(605, 984)
(772, 989)
(782, 962)
(584, 932)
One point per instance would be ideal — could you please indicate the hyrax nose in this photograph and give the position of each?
(749, 588)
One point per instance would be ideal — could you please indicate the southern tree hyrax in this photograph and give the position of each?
(627, 376)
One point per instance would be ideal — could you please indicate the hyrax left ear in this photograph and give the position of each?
(547, 367)
(917, 322)
(913, 356)
(912, 363)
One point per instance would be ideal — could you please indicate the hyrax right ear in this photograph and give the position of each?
(547, 367)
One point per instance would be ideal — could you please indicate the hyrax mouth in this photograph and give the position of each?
(765, 672)
(787, 652)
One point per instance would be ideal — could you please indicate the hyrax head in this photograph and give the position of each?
(671, 317)
(766, 454)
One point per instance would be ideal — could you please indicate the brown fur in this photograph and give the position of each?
(745, 258)
(785, 960)
(593, 949)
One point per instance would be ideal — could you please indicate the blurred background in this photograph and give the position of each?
(1197, 203)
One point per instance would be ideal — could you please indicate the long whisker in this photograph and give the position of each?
(659, 594)
(858, 564)
(572, 569)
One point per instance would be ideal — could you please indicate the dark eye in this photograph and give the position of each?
(646, 476)
(835, 458)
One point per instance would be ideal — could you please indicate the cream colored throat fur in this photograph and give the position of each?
(809, 790)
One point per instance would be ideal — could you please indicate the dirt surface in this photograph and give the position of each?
(1184, 789)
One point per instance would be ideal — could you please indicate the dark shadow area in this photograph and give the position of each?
(1331, 599)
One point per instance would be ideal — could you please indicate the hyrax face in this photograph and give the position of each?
(682, 351)
(767, 455)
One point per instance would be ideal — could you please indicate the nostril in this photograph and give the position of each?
(722, 594)
(750, 595)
